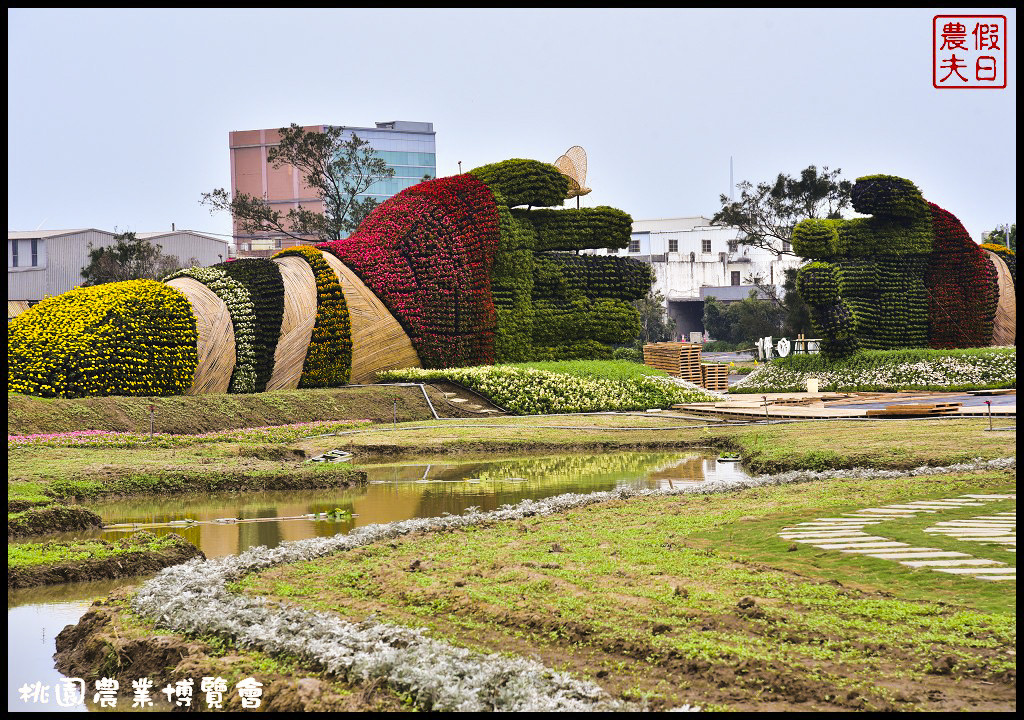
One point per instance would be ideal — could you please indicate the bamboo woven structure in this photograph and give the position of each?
(679, 359)
(715, 377)
(378, 340)
(1005, 330)
(296, 324)
(573, 164)
(216, 344)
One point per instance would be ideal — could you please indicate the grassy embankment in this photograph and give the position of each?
(31, 564)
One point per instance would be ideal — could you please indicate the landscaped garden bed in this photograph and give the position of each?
(565, 387)
(888, 370)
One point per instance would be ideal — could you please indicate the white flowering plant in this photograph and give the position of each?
(911, 369)
(529, 391)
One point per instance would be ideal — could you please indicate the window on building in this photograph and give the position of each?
(705, 245)
(786, 246)
(612, 251)
(14, 253)
(734, 245)
(277, 244)
(673, 245)
(634, 245)
(35, 253)
(735, 277)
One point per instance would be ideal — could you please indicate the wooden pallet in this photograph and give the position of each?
(949, 408)
(681, 360)
(715, 377)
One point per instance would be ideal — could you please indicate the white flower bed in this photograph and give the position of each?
(528, 391)
(194, 598)
(954, 371)
(243, 320)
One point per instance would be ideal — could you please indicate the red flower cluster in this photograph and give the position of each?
(427, 254)
(962, 287)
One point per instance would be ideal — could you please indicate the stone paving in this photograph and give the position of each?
(845, 534)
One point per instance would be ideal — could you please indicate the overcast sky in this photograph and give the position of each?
(120, 118)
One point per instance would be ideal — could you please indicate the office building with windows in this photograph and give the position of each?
(693, 259)
(407, 147)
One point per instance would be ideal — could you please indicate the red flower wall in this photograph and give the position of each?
(962, 286)
(427, 255)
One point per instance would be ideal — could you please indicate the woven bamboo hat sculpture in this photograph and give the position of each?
(573, 164)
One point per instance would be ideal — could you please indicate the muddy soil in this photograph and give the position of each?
(134, 559)
(109, 642)
(52, 519)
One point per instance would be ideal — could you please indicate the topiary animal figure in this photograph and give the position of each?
(908, 276)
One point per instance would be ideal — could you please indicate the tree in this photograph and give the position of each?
(999, 237)
(796, 316)
(129, 258)
(338, 169)
(767, 213)
(654, 325)
(744, 321)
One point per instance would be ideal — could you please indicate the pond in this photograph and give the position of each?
(228, 523)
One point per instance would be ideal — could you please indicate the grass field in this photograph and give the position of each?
(694, 599)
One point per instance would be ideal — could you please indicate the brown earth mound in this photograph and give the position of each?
(103, 644)
(51, 519)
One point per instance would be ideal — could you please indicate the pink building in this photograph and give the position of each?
(407, 147)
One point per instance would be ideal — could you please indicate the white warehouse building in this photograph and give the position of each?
(49, 262)
(693, 259)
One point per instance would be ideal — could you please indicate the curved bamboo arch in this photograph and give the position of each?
(296, 324)
(216, 343)
(378, 340)
(1004, 331)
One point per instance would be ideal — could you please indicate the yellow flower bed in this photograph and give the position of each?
(128, 338)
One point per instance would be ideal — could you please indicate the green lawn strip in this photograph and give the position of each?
(125, 480)
(603, 369)
(755, 538)
(901, 444)
(629, 581)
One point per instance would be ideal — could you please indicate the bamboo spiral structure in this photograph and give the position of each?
(378, 340)
(216, 344)
(1005, 330)
(297, 323)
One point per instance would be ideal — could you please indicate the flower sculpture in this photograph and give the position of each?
(909, 276)
(458, 271)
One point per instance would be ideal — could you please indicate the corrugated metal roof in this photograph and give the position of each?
(29, 234)
(152, 235)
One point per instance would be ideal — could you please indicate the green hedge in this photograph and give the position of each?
(570, 229)
(262, 278)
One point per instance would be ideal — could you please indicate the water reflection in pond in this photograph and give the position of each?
(398, 492)
(395, 491)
